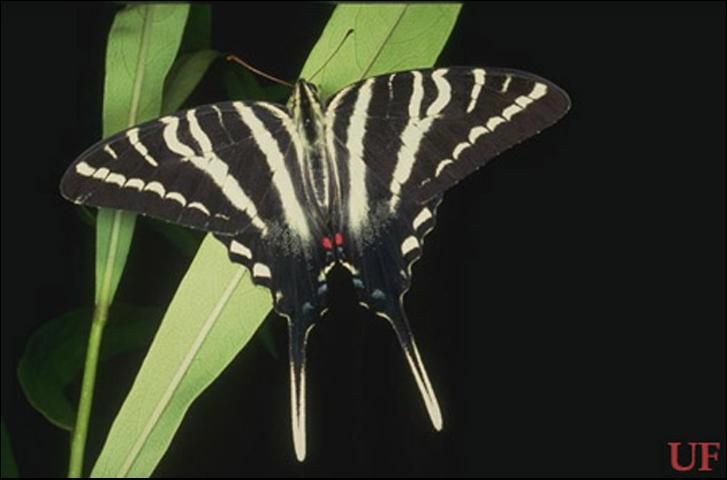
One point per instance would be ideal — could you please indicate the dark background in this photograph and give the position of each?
(570, 304)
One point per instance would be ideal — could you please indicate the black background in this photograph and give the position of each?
(570, 304)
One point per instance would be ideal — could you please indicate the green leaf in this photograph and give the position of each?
(188, 70)
(214, 313)
(9, 467)
(186, 73)
(240, 84)
(54, 355)
(186, 241)
(217, 309)
(198, 31)
(114, 231)
(276, 93)
(265, 334)
(143, 43)
(386, 38)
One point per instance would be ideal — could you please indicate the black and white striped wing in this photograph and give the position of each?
(405, 138)
(234, 169)
(202, 168)
(291, 269)
(422, 131)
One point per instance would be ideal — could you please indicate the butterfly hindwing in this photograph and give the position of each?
(380, 258)
(292, 272)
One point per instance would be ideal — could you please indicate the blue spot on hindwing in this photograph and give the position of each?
(378, 295)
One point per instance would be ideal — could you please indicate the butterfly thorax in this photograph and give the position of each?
(319, 176)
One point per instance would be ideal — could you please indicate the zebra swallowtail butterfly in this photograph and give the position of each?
(293, 190)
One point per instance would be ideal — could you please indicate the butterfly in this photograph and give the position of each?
(293, 190)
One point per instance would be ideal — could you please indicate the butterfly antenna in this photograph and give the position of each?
(236, 59)
(330, 57)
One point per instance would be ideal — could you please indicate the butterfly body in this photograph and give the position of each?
(321, 188)
(294, 190)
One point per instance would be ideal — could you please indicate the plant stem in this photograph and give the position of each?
(100, 314)
(78, 440)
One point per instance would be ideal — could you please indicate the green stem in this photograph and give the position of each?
(78, 440)
(100, 314)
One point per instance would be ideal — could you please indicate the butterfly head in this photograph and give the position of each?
(305, 102)
(307, 111)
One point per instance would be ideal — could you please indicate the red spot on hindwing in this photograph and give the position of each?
(339, 239)
(326, 242)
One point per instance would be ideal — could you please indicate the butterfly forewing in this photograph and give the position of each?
(426, 130)
(200, 168)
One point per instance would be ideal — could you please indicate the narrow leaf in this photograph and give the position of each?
(143, 43)
(187, 72)
(53, 357)
(214, 313)
(114, 230)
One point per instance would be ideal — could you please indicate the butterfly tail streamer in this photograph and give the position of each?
(298, 338)
(385, 277)
(406, 339)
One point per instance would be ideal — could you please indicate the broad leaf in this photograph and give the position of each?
(198, 32)
(186, 241)
(385, 38)
(9, 467)
(54, 355)
(240, 84)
